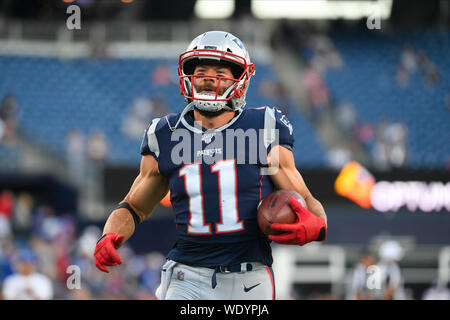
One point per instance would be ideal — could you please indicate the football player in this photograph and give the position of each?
(215, 181)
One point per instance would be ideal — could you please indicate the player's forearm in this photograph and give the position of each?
(120, 221)
(316, 207)
(289, 178)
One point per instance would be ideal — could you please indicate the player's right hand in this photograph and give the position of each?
(106, 251)
(308, 227)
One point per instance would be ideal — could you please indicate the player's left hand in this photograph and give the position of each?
(308, 227)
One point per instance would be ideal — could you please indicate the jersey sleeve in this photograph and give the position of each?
(150, 143)
(278, 129)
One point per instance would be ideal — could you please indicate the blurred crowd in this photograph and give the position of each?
(413, 62)
(41, 251)
(274, 93)
(322, 56)
(143, 109)
(385, 142)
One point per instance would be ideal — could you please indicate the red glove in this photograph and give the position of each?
(105, 252)
(308, 227)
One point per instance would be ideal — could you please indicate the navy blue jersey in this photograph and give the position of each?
(217, 178)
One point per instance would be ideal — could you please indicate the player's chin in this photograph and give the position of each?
(210, 114)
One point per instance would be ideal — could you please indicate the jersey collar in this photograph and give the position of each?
(188, 123)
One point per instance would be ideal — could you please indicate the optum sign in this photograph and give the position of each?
(415, 195)
(359, 185)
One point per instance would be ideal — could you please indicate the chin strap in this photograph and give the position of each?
(183, 113)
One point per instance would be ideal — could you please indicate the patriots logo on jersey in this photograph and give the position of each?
(209, 152)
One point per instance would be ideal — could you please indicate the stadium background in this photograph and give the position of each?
(74, 104)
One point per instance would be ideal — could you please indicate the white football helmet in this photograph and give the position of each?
(224, 48)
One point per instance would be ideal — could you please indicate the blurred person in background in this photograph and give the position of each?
(339, 156)
(142, 110)
(402, 76)
(325, 54)
(272, 89)
(97, 147)
(428, 70)
(437, 291)
(135, 122)
(26, 283)
(365, 134)
(406, 66)
(357, 288)
(92, 281)
(390, 254)
(346, 116)
(163, 76)
(76, 156)
(408, 58)
(6, 203)
(160, 107)
(390, 146)
(6, 253)
(396, 134)
(8, 119)
(22, 219)
(6, 211)
(317, 91)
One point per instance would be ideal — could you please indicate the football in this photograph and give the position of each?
(275, 208)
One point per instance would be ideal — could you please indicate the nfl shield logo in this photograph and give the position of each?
(207, 138)
(180, 275)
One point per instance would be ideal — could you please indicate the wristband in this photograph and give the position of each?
(101, 238)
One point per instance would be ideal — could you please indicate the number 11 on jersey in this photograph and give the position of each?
(227, 183)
